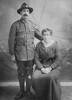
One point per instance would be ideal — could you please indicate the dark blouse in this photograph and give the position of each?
(47, 56)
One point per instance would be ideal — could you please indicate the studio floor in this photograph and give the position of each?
(9, 92)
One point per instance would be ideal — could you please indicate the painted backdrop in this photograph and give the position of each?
(54, 14)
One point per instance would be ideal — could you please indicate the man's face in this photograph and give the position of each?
(25, 12)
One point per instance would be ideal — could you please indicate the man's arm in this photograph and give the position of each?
(11, 39)
(37, 32)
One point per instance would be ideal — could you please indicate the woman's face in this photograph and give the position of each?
(47, 36)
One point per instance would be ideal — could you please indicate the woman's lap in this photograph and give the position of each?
(53, 74)
(42, 82)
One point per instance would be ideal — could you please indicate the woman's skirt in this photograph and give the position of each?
(46, 86)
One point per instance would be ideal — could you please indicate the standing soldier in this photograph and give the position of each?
(21, 46)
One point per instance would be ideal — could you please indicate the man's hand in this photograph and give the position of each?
(13, 58)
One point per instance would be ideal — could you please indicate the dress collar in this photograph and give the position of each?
(48, 44)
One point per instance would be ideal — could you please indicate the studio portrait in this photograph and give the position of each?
(35, 50)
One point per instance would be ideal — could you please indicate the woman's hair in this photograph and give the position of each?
(45, 30)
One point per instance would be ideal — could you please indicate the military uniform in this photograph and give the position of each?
(21, 39)
(21, 44)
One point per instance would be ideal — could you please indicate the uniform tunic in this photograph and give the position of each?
(21, 39)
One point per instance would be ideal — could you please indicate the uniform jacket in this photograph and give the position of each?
(21, 39)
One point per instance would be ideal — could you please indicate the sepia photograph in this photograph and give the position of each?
(35, 49)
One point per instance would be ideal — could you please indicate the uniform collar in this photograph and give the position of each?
(24, 19)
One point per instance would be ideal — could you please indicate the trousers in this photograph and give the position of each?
(24, 69)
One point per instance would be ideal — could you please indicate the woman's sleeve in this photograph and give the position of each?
(37, 59)
(58, 60)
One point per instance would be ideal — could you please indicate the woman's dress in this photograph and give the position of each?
(47, 86)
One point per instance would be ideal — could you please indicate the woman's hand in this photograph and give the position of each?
(46, 70)
(43, 70)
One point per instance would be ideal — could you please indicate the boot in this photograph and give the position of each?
(21, 93)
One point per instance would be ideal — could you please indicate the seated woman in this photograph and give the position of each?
(45, 77)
